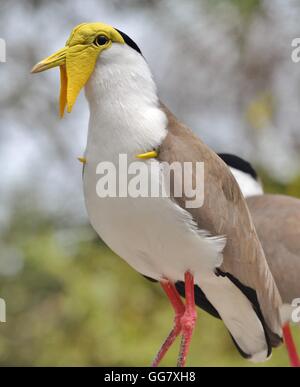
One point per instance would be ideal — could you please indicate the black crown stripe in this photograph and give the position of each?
(129, 41)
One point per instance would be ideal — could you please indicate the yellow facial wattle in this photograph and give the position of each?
(78, 58)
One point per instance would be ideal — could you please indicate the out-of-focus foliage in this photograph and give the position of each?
(246, 7)
(224, 67)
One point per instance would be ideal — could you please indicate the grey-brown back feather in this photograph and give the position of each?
(277, 221)
(225, 213)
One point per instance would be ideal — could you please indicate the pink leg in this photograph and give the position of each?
(291, 347)
(179, 309)
(188, 320)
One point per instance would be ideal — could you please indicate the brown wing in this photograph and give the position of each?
(225, 213)
(277, 222)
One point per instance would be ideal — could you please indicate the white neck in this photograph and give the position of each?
(125, 115)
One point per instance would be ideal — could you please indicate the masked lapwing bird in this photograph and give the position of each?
(277, 222)
(214, 246)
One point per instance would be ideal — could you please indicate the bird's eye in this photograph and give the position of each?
(101, 40)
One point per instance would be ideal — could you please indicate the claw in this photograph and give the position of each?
(185, 319)
(82, 160)
(148, 155)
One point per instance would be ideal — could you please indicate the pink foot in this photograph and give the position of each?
(179, 309)
(188, 320)
(291, 347)
(185, 319)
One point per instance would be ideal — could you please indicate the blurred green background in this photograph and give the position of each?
(70, 301)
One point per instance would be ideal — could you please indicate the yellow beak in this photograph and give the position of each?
(76, 66)
(57, 59)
